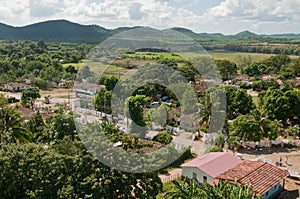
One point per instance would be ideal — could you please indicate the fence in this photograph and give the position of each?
(174, 175)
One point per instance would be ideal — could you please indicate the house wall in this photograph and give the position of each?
(273, 191)
(189, 171)
(8, 87)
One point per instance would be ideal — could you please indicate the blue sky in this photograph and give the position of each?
(225, 16)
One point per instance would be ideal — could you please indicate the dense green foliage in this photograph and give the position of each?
(238, 102)
(39, 171)
(39, 62)
(226, 68)
(102, 100)
(56, 164)
(163, 137)
(134, 110)
(223, 190)
(213, 149)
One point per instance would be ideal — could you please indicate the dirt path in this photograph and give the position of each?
(273, 155)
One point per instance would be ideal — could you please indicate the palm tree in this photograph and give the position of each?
(212, 111)
(185, 190)
(269, 129)
(226, 189)
(205, 111)
(12, 126)
(254, 127)
(108, 127)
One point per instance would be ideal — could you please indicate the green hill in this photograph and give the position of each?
(66, 31)
(245, 35)
(57, 30)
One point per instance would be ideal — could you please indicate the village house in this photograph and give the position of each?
(15, 87)
(268, 76)
(266, 180)
(86, 89)
(206, 168)
(25, 80)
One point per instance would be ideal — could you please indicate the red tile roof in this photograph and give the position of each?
(259, 176)
(214, 163)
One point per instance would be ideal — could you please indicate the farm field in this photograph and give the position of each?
(128, 61)
(237, 57)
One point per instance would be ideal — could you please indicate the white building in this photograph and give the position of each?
(206, 168)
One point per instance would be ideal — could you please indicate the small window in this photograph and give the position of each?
(204, 179)
(194, 175)
(267, 193)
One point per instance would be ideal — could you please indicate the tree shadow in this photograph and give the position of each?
(264, 151)
(293, 194)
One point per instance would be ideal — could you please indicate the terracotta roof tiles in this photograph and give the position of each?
(259, 176)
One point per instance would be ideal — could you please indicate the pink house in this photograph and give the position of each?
(208, 167)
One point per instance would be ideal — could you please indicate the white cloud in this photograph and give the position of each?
(258, 14)
(135, 12)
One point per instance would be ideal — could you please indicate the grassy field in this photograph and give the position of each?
(156, 56)
(237, 57)
(142, 58)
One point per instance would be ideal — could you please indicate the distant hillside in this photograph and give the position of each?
(184, 30)
(245, 35)
(283, 36)
(57, 30)
(66, 31)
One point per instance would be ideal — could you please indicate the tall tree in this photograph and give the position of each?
(245, 129)
(280, 105)
(254, 127)
(158, 115)
(29, 95)
(110, 83)
(134, 110)
(227, 68)
(62, 125)
(238, 102)
(102, 100)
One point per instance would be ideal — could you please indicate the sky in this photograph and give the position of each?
(221, 16)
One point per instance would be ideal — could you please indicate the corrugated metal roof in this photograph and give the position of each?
(214, 163)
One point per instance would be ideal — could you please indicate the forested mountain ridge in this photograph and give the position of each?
(56, 30)
(66, 31)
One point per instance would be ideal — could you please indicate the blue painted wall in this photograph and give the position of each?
(274, 190)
